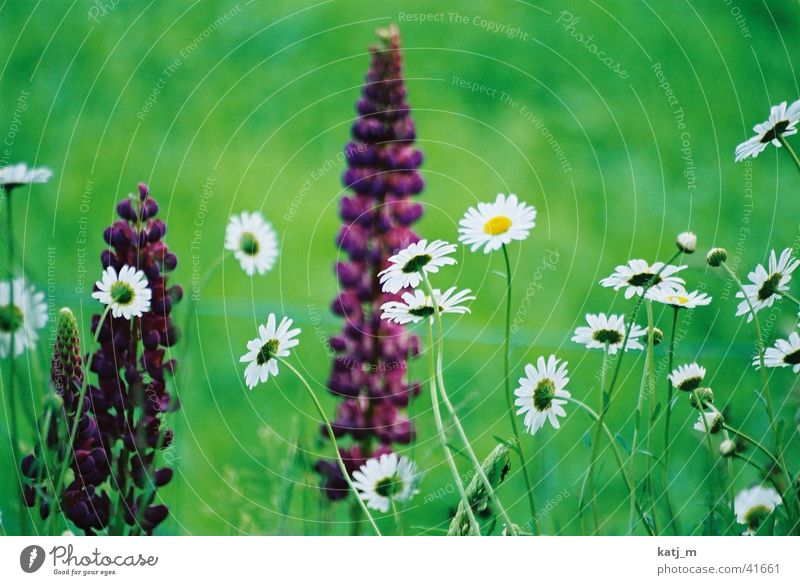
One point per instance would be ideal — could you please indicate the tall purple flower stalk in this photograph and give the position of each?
(370, 366)
(84, 500)
(132, 365)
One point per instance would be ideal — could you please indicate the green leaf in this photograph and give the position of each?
(623, 443)
(495, 466)
(656, 410)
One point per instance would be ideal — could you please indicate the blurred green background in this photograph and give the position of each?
(617, 121)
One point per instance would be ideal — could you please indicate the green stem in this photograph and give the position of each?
(452, 411)
(437, 415)
(729, 474)
(609, 393)
(510, 399)
(12, 397)
(70, 454)
(637, 423)
(618, 457)
(711, 458)
(750, 439)
(397, 521)
(673, 519)
(651, 396)
(790, 296)
(633, 316)
(791, 151)
(764, 381)
(588, 484)
(332, 437)
(763, 472)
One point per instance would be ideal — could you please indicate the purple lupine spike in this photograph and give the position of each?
(84, 500)
(370, 367)
(132, 363)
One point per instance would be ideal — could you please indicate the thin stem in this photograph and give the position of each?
(763, 472)
(332, 437)
(673, 519)
(750, 439)
(634, 314)
(12, 396)
(651, 395)
(397, 521)
(729, 475)
(510, 401)
(788, 489)
(711, 459)
(452, 411)
(70, 447)
(637, 423)
(790, 296)
(618, 457)
(791, 151)
(437, 415)
(589, 483)
(764, 381)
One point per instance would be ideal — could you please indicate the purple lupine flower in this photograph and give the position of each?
(84, 500)
(132, 364)
(370, 367)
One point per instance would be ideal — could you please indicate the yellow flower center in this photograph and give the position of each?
(680, 299)
(497, 225)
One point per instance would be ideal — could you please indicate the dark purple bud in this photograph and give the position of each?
(348, 273)
(170, 261)
(154, 231)
(407, 213)
(175, 293)
(149, 209)
(125, 210)
(107, 257)
(151, 340)
(163, 476)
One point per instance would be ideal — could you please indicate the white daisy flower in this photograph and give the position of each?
(781, 122)
(253, 242)
(262, 352)
(713, 421)
(679, 297)
(767, 283)
(608, 331)
(493, 224)
(753, 506)
(686, 242)
(23, 319)
(634, 275)
(127, 293)
(541, 392)
(417, 305)
(687, 377)
(19, 174)
(785, 353)
(404, 267)
(379, 481)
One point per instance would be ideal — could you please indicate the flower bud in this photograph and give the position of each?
(727, 448)
(658, 336)
(686, 242)
(701, 398)
(716, 256)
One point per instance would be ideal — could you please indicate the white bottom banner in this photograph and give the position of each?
(400, 560)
